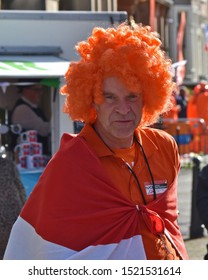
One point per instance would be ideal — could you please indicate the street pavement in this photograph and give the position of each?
(194, 235)
(196, 248)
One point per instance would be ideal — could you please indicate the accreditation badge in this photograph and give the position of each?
(160, 187)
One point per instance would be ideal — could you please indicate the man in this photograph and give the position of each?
(109, 192)
(29, 115)
(200, 100)
(202, 199)
(202, 195)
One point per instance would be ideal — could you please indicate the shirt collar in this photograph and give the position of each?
(90, 135)
(142, 135)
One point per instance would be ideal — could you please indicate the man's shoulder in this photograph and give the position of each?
(160, 138)
(72, 146)
(204, 172)
(21, 105)
(20, 102)
(156, 133)
(68, 140)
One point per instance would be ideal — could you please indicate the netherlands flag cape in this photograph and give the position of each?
(75, 212)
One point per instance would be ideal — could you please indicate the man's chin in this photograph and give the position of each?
(123, 134)
(124, 128)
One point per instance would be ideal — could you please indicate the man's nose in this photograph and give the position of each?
(123, 107)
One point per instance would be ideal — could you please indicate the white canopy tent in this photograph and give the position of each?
(32, 66)
(48, 68)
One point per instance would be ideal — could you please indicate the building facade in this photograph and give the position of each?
(189, 37)
(181, 24)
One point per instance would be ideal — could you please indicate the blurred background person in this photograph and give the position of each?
(200, 99)
(182, 101)
(199, 103)
(29, 115)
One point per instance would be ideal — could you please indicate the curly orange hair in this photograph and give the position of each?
(132, 54)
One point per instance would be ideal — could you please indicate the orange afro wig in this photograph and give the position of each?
(132, 54)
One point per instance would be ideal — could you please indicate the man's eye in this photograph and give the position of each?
(109, 98)
(133, 97)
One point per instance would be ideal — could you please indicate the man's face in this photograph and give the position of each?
(119, 115)
(33, 93)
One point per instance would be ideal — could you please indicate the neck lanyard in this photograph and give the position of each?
(131, 169)
(150, 172)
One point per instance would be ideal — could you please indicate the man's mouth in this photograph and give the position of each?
(123, 121)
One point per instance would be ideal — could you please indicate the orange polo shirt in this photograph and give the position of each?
(163, 160)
